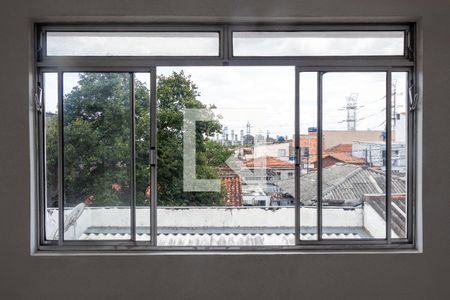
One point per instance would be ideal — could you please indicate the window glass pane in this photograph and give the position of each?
(318, 43)
(50, 96)
(354, 155)
(399, 156)
(97, 155)
(243, 142)
(132, 43)
(142, 138)
(308, 155)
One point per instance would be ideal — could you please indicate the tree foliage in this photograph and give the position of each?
(177, 92)
(97, 141)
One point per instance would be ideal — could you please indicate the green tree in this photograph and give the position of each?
(97, 139)
(177, 92)
(97, 146)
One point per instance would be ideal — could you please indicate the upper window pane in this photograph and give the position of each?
(318, 43)
(133, 43)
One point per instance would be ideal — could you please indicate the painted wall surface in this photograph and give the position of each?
(336, 276)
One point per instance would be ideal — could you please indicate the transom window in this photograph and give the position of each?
(225, 137)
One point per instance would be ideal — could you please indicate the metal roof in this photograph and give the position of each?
(360, 182)
(229, 236)
(343, 182)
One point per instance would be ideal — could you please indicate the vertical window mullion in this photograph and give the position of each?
(297, 156)
(225, 40)
(60, 160)
(388, 154)
(319, 152)
(133, 157)
(411, 158)
(153, 158)
(41, 164)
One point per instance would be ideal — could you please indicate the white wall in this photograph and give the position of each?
(208, 217)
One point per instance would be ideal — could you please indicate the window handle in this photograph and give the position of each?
(38, 99)
(297, 156)
(413, 98)
(153, 157)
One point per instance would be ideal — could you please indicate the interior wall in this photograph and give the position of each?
(336, 276)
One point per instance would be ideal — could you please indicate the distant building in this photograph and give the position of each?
(248, 140)
(332, 138)
(375, 155)
(308, 149)
(341, 153)
(277, 169)
(280, 151)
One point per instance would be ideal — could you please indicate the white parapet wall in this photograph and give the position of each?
(202, 217)
(375, 224)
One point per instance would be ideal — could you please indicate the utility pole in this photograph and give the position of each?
(394, 100)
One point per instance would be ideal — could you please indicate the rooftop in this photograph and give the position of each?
(341, 148)
(342, 157)
(343, 184)
(237, 236)
(269, 162)
(233, 190)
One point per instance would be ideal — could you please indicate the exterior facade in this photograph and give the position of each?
(375, 155)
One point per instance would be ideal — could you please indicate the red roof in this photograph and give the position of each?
(342, 157)
(341, 148)
(233, 195)
(268, 162)
(342, 153)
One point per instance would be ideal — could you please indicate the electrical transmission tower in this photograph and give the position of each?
(351, 111)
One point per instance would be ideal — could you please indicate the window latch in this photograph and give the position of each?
(38, 99)
(413, 98)
(297, 156)
(152, 157)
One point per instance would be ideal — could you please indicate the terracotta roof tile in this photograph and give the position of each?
(269, 162)
(342, 157)
(233, 195)
(341, 148)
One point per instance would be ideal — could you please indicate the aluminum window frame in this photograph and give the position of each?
(411, 155)
(147, 64)
(326, 28)
(61, 242)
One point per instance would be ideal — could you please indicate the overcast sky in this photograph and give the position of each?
(264, 96)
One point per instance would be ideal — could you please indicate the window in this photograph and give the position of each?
(281, 152)
(318, 43)
(144, 43)
(225, 137)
